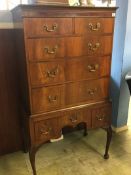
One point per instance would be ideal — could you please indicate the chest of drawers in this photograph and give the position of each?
(64, 56)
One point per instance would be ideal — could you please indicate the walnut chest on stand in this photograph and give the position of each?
(64, 62)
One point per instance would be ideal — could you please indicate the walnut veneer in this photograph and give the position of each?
(64, 58)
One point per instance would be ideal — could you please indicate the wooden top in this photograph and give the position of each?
(42, 10)
(51, 7)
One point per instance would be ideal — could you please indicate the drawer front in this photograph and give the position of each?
(45, 49)
(46, 99)
(73, 118)
(46, 129)
(94, 25)
(86, 91)
(38, 27)
(90, 46)
(101, 117)
(44, 73)
(52, 48)
(55, 97)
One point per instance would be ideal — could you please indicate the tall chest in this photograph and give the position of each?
(64, 56)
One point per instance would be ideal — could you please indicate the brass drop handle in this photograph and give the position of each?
(51, 51)
(92, 91)
(73, 119)
(96, 27)
(93, 47)
(45, 132)
(52, 73)
(54, 27)
(52, 99)
(100, 117)
(93, 68)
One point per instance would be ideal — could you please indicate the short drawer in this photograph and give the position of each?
(53, 48)
(44, 73)
(47, 98)
(49, 73)
(46, 49)
(56, 97)
(38, 27)
(89, 46)
(101, 117)
(94, 25)
(46, 130)
(73, 118)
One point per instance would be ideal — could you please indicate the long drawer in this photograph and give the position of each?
(49, 73)
(60, 47)
(56, 97)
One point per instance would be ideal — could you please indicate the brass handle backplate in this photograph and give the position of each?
(54, 27)
(94, 28)
(52, 99)
(51, 51)
(92, 91)
(52, 73)
(93, 68)
(73, 119)
(93, 47)
(45, 131)
(100, 117)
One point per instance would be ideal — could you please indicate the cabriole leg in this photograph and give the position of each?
(32, 153)
(109, 137)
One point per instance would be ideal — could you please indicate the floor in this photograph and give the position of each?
(129, 114)
(76, 155)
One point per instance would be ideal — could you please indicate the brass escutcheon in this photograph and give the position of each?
(54, 27)
(92, 91)
(93, 68)
(52, 99)
(93, 47)
(73, 119)
(96, 27)
(52, 73)
(51, 51)
(44, 129)
(100, 117)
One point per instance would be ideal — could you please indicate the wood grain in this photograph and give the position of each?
(47, 26)
(90, 26)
